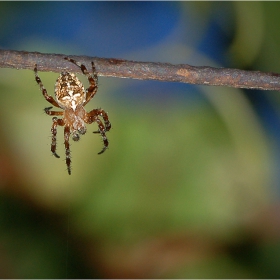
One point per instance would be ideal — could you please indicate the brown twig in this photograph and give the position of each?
(111, 67)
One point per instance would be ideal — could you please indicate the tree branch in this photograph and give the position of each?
(111, 67)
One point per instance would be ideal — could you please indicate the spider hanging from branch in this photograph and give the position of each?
(71, 97)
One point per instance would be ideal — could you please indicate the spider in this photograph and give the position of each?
(71, 97)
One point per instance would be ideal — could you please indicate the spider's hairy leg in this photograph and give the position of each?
(102, 131)
(92, 79)
(93, 116)
(104, 115)
(56, 122)
(67, 148)
(52, 113)
(42, 88)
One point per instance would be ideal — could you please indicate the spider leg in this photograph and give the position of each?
(92, 79)
(93, 116)
(52, 113)
(56, 122)
(67, 133)
(44, 91)
(102, 131)
(103, 114)
(67, 148)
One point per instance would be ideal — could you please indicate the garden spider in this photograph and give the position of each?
(71, 97)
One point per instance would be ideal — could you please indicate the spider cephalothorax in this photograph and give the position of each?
(72, 97)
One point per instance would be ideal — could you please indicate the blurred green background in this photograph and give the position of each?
(189, 187)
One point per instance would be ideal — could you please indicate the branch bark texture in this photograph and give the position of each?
(112, 67)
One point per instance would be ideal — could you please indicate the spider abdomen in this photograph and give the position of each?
(69, 91)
